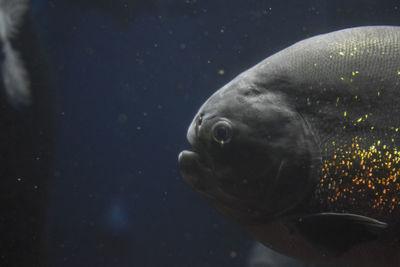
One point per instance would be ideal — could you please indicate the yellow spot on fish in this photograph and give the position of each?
(345, 114)
(342, 78)
(341, 53)
(379, 93)
(359, 120)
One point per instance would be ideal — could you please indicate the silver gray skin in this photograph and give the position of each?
(259, 143)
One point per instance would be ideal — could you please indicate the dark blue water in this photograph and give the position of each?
(130, 75)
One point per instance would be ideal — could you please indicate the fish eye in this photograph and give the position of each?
(222, 132)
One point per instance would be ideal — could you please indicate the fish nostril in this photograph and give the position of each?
(200, 119)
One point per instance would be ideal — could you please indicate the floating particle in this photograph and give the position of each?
(122, 118)
(233, 254)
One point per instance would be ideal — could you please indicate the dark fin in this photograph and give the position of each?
(339, 231)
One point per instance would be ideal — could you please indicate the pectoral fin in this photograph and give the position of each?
(339, 231)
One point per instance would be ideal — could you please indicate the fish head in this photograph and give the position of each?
(251, 151)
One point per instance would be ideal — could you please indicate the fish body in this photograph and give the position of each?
(302, 151)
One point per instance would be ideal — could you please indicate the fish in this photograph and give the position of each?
(302, 150)
(13, 72)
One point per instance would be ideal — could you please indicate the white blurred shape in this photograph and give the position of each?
(14, 75)
(261, 256)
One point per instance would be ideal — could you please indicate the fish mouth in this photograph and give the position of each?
(186, 158)
(192, 169)
(194, 165)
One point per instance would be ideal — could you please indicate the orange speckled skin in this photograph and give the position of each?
(361, 176)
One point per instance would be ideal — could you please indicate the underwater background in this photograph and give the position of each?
(129, 77)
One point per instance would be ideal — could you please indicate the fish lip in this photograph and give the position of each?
(191, 167)
(190, 159)
(194, 171)
(187, 155)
